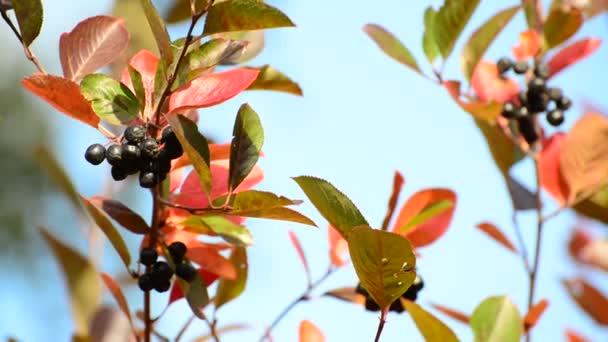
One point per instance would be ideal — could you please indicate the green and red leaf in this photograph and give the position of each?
(118, 295)
(247, 141)
(270, 78)
(487, 111)
(243, 15)
(489, 85)
(229, 289)
(561, 24)
(29, 15)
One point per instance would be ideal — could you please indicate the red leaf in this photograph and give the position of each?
(571, 54)
(551, 178)
(489, 85)
(457, 315)
(573, 336)
(211, 260)
(118, 295)
(176, 291)
(430, 230)
(92, 44)
(529, 44)
(211, 89)
(309, 332)
(578, 240)
(589, 299)
(392, 202)
(64, 95)
(338, 247)
(145, 62)
(534, 314)
(296, 244)
(497, 235)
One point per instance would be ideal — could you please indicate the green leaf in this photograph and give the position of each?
(531, 13)
(138, 86)
(195, 145)
(429, 46)
(427, 213)
(482, 38)
(596, 207)
(180, 10)
(228, 290)
(270, 78)
(335, 207)
(157, 25)
(196, 295)
(561, 24)
(449, 22)
(496, 319)
(430, 326)
(29, 15)
(255, 44)
(84, 287)
(208, 55)
(110, 231)
(384, 263)
(391, 46)
(247, 141)
(111, 100)
(243, 15)
(261, 204)
(229, 231)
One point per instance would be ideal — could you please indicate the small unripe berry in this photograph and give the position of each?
(147, 180)
(555, 117)
(135, 134)
(148, 256)
(520, 67)
(503, 65)
(114, 155)
(177, 250)
(185, 271)
(118, 173)
(145, 282)
(95, 154)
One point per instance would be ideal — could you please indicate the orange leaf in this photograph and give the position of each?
(497, 235)
(578, 240)
(572, 54)
(431, 229)
(338, 247)
(392, 202)
(589, 299)
(118, 295)
(298, 246)
(529, 44)
(573, 336)
(551, 178)
(534, 314)
(457, 315)
(211, 260)
(64, 95)
(309, 332)
(211, 89)
(145, 62)
(489, 85)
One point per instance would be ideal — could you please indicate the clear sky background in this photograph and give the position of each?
(363, 116)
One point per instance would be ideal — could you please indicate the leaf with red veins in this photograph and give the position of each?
(529, 44)
(489, 85)
(211, 89)
(572, 54)
(177, 293)
(551, 178)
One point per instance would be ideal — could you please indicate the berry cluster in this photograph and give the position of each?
(536, 99)
(139, 152)
(410, 294)
(160, 273)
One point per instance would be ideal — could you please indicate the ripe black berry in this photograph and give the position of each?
(173, 150)
(537, 102)
(114, 155)
(370, 305)
(118, 173)
(397, 306)
(145, 282)
(522, 112)
(161, 271)
(135, 134)
(542, 71)
(95, 154)
(168, 136)
(149, 148)
(508, 110)
(185, 271)
(130, 153)
(555, 117)
(164, 162)
(412, 291)
(162, 286)
(360, 290)
(527, 129)
(555, 94)
(520, 67)
(178, 251)
(536, 85)
(148, 256)
(147, 179)
(504, 64)
(564, 103)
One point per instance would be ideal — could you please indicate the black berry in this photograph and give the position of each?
(542, 71)
(130, 153)
(185, 271)
(145, 282)
(555, 117)
(149, 148)
(503, 65)
(537, 102)
(162, 286)
(508, 110)
(527, 128)
(555, 94)
(164, 162)
(173, 150)
(397, 306)
(178, 251)
(370, 305)
(95, 154)
(360, 290)
(522, 112)
(147, 179)
(412, 291)
(536, 85)
(135, 134)
(148, 256)
(114, 155)
(520, 67)
(118, 173)
(564, 103)
(161, 271)
(168, 136)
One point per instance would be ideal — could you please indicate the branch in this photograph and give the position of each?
(532, 274)
(28, 53)
(520, 241)
(155, 227)
(381, 324)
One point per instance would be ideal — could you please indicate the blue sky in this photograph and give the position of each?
(363, 116)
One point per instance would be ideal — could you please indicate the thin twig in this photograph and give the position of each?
(184, 328)
(155, 227)
(381, 324)
(193, 210)
(523, 250)
(26, 49)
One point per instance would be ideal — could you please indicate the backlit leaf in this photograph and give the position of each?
(64, 95)
(196, 295)
(457, 315)
(488, 111)
(309, 332)
(255, 44)
(534, 314)
(497, 319)
(92, 44)
(228, 230)
(243, 15)
(270, 78)
(157, 25)
(561, 24)
(208, 55)
(480, 40)
(121, 213)
(588, 298)
(430, 326)
(450, 20)
(111, 100)
(531, 12)
(572, 54)
(338, 247)
(391, 46)
(138, 86)
(429, 46)
(176, 291)
(29, 15)
(392, 202)
(333, 205)
(384, 263)
(84, 287)
(595, 207)
(247, 141)
(528, 47)
(298, 247)
(228, 290)
(489, 85)
(551, 178)
(497, 235)
(119, 297)
(209, 258)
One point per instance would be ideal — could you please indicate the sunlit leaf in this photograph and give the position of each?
(384, 263)
(497, 319)
(595, 207)
(29, 15)
(551, 178)
(429, 46)
(118, 295)
(392, 202)
(121, 213)
(338, 247)
(92, 44)
(157, 25)
(243, 15)
(247, 141)
(228, 230)
(309, 332)
(209, 258)
(480, 40)
(84, 287)
(528, 46)
(391, 46)
(430, 326)
(488, 111)
(561, 24)
(450, 20)
(208, 55)
(64, 95)
(497, 235)
(270, 78)
(111, 100)
(180, 10)
(534, 314)
(490, 85)
(228, 290)
(531, 13)
(588, 298)
(572, 54)
(333, 205)
(255, 44)
(457, 315)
